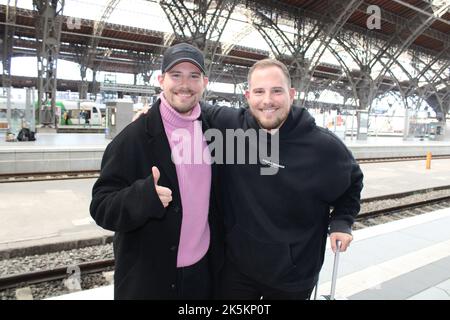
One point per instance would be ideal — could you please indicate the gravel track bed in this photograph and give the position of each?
(57, 287)
(55, 259)
(382, 204)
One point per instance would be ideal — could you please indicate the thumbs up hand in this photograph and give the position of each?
(164, 194)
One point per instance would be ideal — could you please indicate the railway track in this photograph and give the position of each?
(405, 194)
(392, 213)
(29, 278)
(400, 159)
(46, 176)
(49, 176)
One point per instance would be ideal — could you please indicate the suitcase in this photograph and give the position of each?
(332, 295)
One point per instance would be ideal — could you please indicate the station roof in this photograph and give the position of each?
(125, 42)
(394, 15)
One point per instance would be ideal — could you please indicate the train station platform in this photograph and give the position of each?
(386, 178)
(407, 259)
(51, 152)
(69, 152)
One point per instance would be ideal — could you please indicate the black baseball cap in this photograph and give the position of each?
(182, 52)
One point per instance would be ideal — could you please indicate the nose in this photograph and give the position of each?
(266, 99)
(183, 84)
(184, 80)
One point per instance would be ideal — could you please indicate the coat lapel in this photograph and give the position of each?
(214, 176)
(159, 143)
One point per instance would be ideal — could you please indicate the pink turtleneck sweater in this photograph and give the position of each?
(193, 169)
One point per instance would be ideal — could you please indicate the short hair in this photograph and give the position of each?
(265, 63)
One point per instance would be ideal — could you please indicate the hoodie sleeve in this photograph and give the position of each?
(346, 207)
(223, 118)
(120, 201)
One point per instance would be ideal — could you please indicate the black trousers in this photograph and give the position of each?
(194, 282)
(236, 285)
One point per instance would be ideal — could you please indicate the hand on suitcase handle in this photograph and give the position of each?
(338, 245)
(344, 238)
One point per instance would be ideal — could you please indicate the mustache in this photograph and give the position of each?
(272, 106)
(188, 91)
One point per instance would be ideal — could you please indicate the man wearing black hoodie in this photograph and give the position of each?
(277, 223)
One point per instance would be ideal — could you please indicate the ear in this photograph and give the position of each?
(292, 92)
(247, 94)
(161, 80)
(205, 81)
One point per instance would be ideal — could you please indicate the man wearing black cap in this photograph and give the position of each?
(158, 197)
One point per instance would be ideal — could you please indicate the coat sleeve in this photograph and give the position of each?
(346, 207)
(120, 201)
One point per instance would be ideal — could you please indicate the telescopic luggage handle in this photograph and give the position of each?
(333, 277)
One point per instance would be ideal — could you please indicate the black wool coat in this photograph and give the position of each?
(124, 200)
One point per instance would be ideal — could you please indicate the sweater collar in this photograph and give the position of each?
(172, 116)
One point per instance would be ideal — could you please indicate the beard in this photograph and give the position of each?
(183, 106)
(269, 124)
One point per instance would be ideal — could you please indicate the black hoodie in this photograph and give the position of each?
(277, 224)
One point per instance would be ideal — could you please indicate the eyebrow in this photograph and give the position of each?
(273, 88)
(176, 71)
